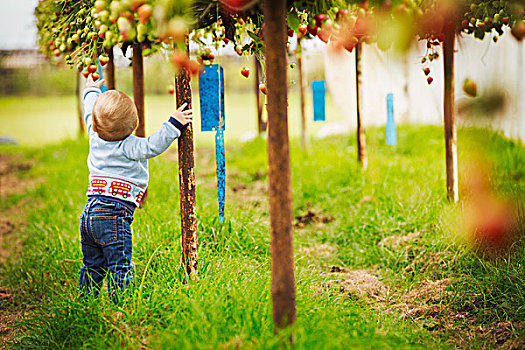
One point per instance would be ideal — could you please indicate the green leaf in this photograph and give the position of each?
(254, 36)
(293, 20)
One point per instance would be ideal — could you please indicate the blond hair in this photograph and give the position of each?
(114, 116)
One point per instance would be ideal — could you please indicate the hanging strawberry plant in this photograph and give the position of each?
(79, 32)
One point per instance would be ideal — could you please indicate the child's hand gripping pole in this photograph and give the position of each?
(183, 116)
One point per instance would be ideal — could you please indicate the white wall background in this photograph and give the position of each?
(492, 65)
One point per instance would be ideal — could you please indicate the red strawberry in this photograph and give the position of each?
(92, 68)
(303, 29)
(85, 73)
(171, 89)
(245, 72)
(103, 60)
(430, 80)
(426, 71)
(319, 19)
(95, 76)
(313, 30)
(263, 88)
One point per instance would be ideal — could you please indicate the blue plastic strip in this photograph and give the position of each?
(103, 88)
(319, 95)
(391, 133)
(209, 98)
(221, 171)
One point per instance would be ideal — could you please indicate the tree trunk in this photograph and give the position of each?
(302, 86)
(138, 87)
(283, 284)
(78, 90)
(110, 70)
(188, 209)
(450, 126)
(260, 124)
(361, 136)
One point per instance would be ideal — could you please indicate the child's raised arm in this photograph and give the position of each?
(90, 95)
(137, 148)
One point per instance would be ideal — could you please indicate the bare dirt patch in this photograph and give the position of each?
(10, 183)
(358, 284)
(11, 222)
(10, 317)
(6, 226)
(311, 216)
(428, 305)
(429, 291)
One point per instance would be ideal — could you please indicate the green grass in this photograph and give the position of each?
(229, 305)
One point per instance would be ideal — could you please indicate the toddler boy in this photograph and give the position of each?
(118, 178)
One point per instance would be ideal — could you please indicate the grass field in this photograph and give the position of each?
(354, 288)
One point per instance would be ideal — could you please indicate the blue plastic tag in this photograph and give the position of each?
(390, 129)
(319, 95)
(212, 108)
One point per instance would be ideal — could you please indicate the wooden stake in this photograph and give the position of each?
(138, 87)
(450, 126)
(283, 283)
(361, 136)
(110, 70)
(188, 209)
(302, 86)
(260, 124)
(78, 90)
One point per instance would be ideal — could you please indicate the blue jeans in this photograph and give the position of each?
(105, 231)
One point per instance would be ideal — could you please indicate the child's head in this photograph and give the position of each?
(114, 116)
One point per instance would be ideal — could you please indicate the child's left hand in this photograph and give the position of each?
(183, 116)
(91, 83)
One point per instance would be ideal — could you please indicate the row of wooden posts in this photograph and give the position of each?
(279, 174)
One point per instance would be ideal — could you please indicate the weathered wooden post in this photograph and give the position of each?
(78, 91)
(361, 136)
(258, 99)
(110, 70)
(188, 210)
(138, 87)
(450, 126)
(302, 87)
(283, 283)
